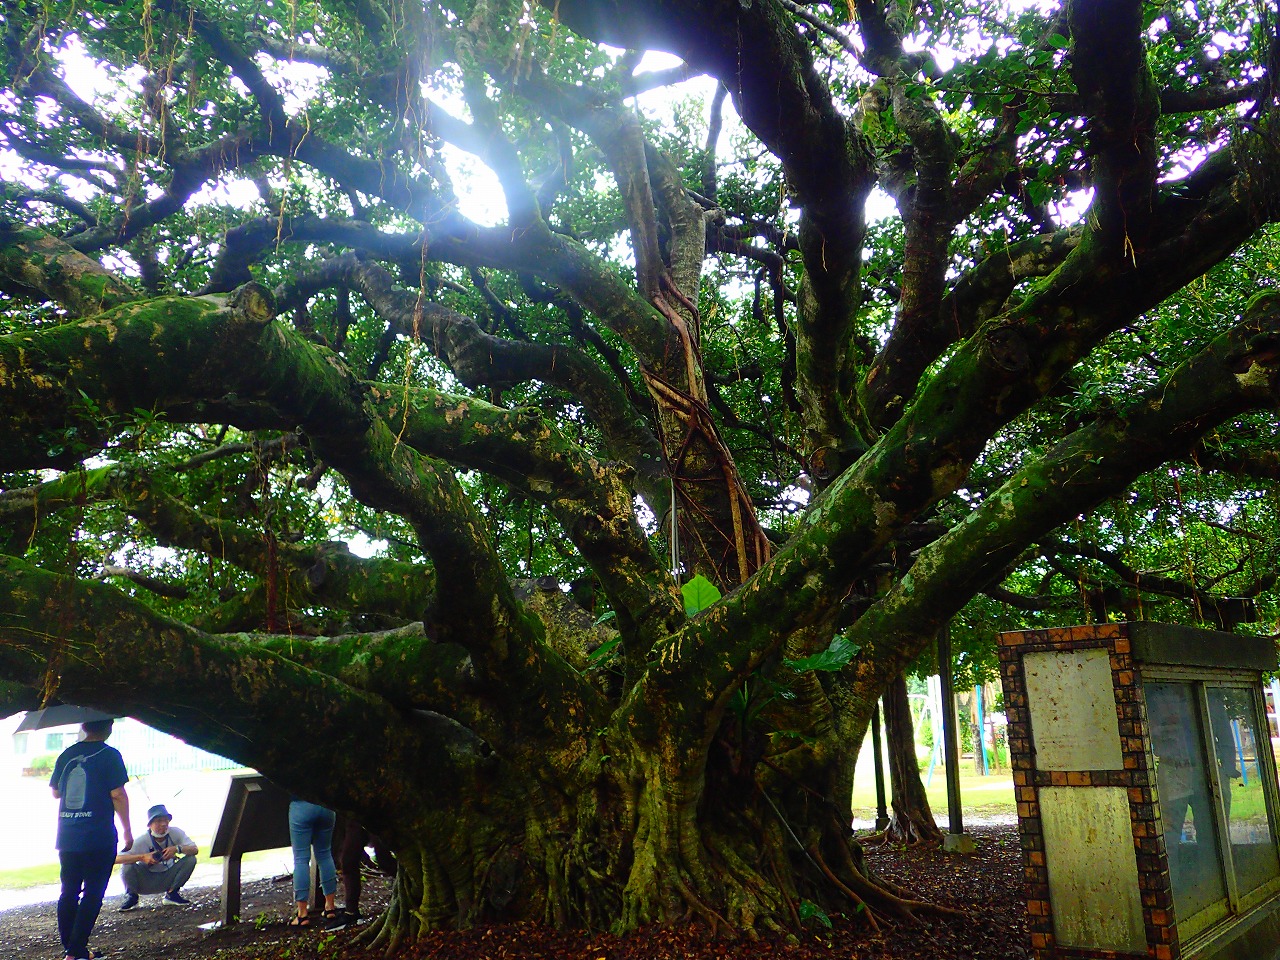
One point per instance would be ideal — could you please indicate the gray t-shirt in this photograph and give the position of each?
(149, 844)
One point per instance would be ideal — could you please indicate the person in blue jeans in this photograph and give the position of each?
(311, 828)
(88, 783)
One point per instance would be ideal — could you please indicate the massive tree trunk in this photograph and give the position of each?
(608, 829)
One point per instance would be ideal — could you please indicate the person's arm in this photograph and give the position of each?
(182, 845)
(140, 852)
(54, 778)
(146, 858)
(120, 800)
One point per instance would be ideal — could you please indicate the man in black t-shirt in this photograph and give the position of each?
(88, 783)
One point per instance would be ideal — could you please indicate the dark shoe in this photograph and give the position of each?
(334, 921)
(173, 896)
(353, 916)
(130, 901)
(299, 923)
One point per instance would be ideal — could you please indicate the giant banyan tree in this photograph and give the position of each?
(544, 430)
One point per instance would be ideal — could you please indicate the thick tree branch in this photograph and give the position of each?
(1238, 371)
(482, 359)
(34, 264)
(243, 701)
(1259, 465)
(1109, 66)
(979, 294)
(161, 588)
(1225, 612)
(325, 574)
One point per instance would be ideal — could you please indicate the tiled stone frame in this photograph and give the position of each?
(1137, 776)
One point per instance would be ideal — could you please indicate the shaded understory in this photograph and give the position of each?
(988, 886)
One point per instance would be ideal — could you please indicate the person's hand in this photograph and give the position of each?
(169, 853)
(128, 842)
(149, 859)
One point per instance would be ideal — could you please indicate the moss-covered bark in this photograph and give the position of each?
(47, 269)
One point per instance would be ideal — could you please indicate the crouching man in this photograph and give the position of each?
(160, 861)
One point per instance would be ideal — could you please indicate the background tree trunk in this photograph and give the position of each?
(910, 819)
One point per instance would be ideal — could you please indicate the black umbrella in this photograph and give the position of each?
(59, 715)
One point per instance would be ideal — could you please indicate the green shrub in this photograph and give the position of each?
(42, 765)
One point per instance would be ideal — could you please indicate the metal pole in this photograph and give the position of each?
(1244, 768)
(982, 733)
(882, 814)
(955, 841)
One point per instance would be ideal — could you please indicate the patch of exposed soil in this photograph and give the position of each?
(987, 886)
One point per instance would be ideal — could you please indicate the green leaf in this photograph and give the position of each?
(699, 593)
(1038, 193)
(809, 910)
(603, 651)
(835, 657)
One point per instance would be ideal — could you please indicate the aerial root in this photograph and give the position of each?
(791, 906)
(701, 909)
(844, 888)
(911, 833)
(881, 883)
(892, 900)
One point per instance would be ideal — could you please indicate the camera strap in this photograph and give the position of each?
(159, 848)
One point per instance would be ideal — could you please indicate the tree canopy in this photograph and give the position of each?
(543, 430)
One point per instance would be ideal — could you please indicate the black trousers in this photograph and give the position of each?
(84, 881)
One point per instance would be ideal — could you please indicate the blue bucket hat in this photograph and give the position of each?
(157, 811)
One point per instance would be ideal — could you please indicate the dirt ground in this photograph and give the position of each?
(159, 931)
(988, 887)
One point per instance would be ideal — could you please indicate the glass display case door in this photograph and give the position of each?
(1216, 783)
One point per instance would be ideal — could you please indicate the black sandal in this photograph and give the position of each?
(299, 922)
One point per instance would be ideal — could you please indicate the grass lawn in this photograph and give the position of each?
(47, 873)
(36, 876)
(979, 796)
